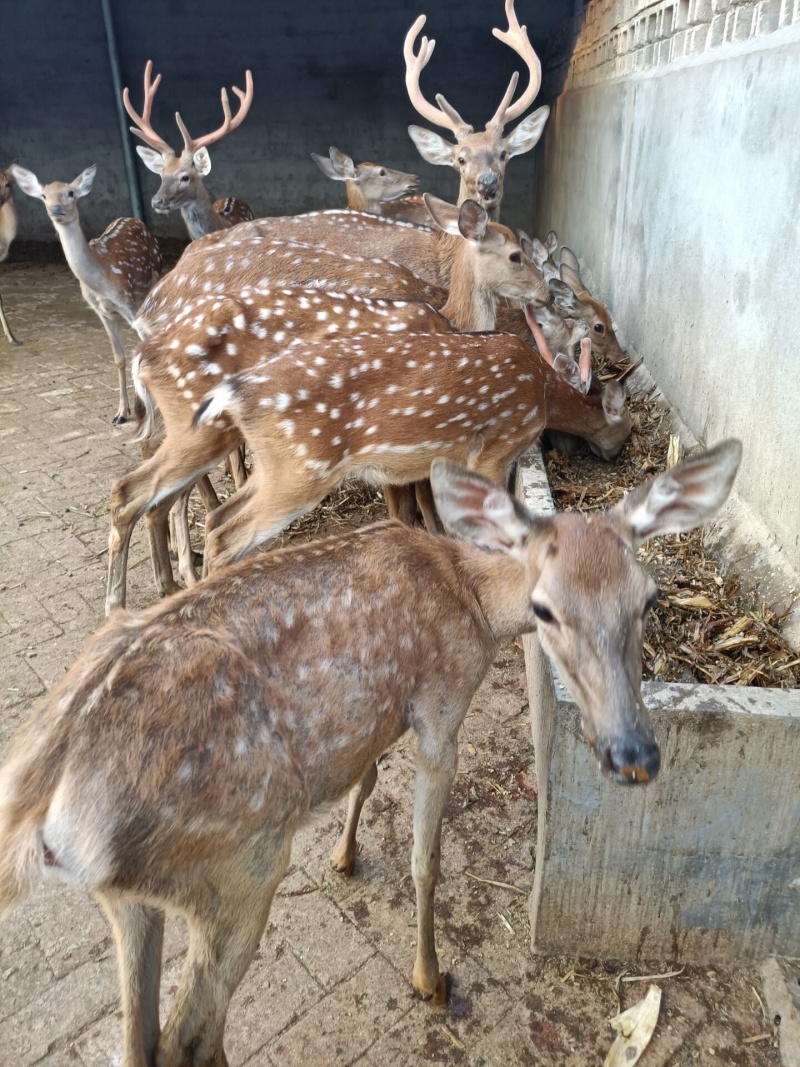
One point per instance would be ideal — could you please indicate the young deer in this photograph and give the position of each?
(479, 158)
(116, 270)
(382, 413)
(8, 231)
(375, 189)
(571, 296)
(213, 335)
(172, 766)
(182, 175)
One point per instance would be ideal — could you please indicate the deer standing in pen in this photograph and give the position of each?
(116, 270)
(8, 231)
(207, 334)
(172, 766)
(182, 174)
(375, 189)
(479, 158)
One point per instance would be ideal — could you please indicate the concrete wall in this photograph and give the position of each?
(325, 73)
(671, 167)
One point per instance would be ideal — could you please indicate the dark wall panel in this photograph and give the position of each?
(325, 73)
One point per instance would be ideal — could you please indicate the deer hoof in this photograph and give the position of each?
(343, 865)
(438, 995)
(119, 419)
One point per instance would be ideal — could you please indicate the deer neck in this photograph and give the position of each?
(200, 216)
(501, 590)
(8, 226)
(469, 306)
(81, 257)
(356, 201)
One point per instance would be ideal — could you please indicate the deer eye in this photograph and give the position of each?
(70, 194)
(599, 327)
(383, 173)
(461, 160)
(184, 177)
(651, 603)
(503, 155)
(515, 257)
(543, 614)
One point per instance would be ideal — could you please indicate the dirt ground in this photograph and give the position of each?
(331, 982)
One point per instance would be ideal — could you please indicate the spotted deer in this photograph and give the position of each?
(480, 159)
(8, 231)
(172, 766)
(381, 413)
(115, 270)
(375, 189)
(182, 174)
(208, 335)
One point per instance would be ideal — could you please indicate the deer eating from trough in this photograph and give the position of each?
(116, 270)
(8, 231)
(172, 766)
(182, 173)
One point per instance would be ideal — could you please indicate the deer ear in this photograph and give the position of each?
(566, 368)
(526, 244)
(472, 221)
(614, 401)
(202, 162)
(525, 136)
(539, 253)
(563, 297)
(681, 498)
(476, 509)
(26, 180)
(327, 167)
(153, 160)
(551, 242)
(431, 146)
(445, 216)
(343, 164)
(83, 183)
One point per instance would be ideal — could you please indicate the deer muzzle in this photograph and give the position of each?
(487, 186)
(628, 760)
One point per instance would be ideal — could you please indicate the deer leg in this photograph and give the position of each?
(222, 942)
(401, 502)
(159, 478)
(425, 501)
(179, 519)
(262, 512)
(207, 493)
(436, 770)
(114, 331)
(6, 328)
(343, 857)
(236, 467)
(139, 935)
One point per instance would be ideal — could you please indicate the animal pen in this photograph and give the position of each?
(656, 168)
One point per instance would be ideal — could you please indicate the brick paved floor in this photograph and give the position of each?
(330, 984)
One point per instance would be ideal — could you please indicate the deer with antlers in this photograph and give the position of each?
(182, 175)
(8, 231)
(172, 766)
(202, 337)
(375, 189)
(116, 270)
(479, 158)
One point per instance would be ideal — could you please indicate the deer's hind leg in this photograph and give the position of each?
(226, 921)
(139, 935)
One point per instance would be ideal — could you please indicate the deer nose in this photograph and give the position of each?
(631, 760)
(487, 184)
(157, 202)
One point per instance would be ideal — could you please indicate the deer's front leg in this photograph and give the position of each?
(436, 769)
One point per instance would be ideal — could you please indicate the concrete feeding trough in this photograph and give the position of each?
(701, 865)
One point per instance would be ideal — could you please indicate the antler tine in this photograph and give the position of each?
(444, 115)
(516, 37)
(143, 129)
(228, 123)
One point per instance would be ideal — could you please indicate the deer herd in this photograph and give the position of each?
(406, 342)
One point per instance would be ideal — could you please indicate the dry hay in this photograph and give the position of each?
(705, 628)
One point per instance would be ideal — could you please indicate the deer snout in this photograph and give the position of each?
(159, 204)
(487, 185)
(629, 760)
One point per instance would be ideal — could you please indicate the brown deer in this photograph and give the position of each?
(382, 413)
(172, 766)
(479, 158)
(8, 231)
(182, 175)
(573, 298)
(115, 270)
(374, 188)
(214, 334)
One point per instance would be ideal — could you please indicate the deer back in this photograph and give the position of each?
(130, 254)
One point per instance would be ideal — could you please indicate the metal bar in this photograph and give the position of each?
(116, 76)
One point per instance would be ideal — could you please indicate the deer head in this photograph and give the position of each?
(479, 158)
(373, 184)
(181, 173)
(60, 199)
